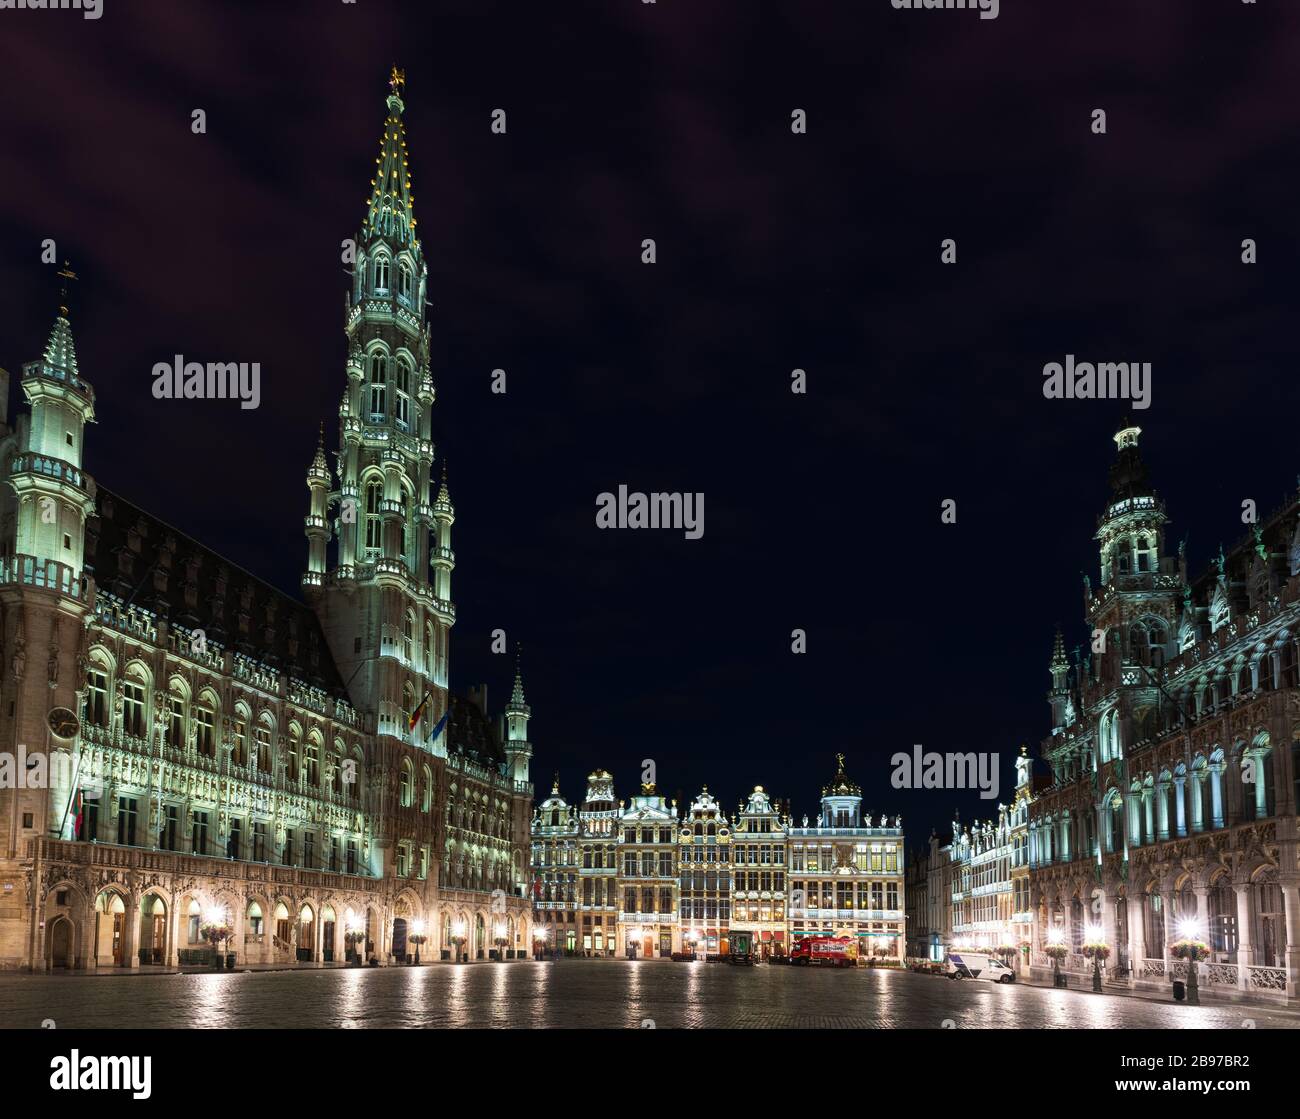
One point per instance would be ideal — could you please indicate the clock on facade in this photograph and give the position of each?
(63, 722)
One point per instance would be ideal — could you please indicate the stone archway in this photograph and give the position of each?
(110, 940)
(59, 944)
(153, 930)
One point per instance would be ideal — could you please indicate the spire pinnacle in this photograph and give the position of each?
(389, 212)
(517, 695)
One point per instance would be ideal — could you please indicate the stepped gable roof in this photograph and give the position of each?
(146, 562)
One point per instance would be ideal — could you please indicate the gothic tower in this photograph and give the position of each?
(45, 591)
(385, 605)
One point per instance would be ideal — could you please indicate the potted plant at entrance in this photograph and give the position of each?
(1194, 951)
(353, 938)
(1056, 951)
(216, 930)
(1096, 950)
(417, 938)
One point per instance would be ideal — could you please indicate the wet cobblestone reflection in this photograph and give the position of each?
(582, 993)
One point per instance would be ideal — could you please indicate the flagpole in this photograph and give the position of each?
(76, 773)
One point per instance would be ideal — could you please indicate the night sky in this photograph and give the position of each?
(775, 251)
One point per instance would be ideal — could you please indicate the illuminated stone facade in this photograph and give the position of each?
(703, 883)
(218, 750)
(846, 875)
(1173, 750)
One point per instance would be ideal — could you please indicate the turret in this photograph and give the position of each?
(841, 800)
(1059, 696)
(518, 749)
(316, 523)
(54, 494)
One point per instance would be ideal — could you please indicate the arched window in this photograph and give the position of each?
(295, 752)
(175, 715)
(403, 386)
(204, 720)
(428, 648)
(406, 779)
(408, 637)
(336, 767)
(240, 731)
(1269, 916)
(378, 385)
(262, 734)
(404, 281)
(1223, 917)
(97, 694)
(374, 526)
(353, 776)
(381, 273)
(426, 795)
(408, 706)
(1153, 921)
(311, 762)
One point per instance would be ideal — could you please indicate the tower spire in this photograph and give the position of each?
(389, 209)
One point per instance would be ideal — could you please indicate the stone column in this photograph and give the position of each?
(1137, 941)
(1245, 951)
(1216, 794)
(131, 933)
(1291, 902)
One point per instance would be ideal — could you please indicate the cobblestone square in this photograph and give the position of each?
(600, 994)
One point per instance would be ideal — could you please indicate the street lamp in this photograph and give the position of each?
(500, 940)
(633, 939)
(417, 937)
(1190, 947)
(541, 934)
(458, 939)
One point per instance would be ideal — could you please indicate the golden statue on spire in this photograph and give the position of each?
(396, 78)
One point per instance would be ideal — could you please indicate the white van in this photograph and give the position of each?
(968, 965)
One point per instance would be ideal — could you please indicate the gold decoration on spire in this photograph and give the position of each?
(65, 273)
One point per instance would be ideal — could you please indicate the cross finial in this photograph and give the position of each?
(396, 78)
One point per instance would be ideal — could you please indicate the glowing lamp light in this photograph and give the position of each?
(1189, 928)
(501, 932)
(417, 926)
(458, 929)
(1094, 934)
(1055, 939)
